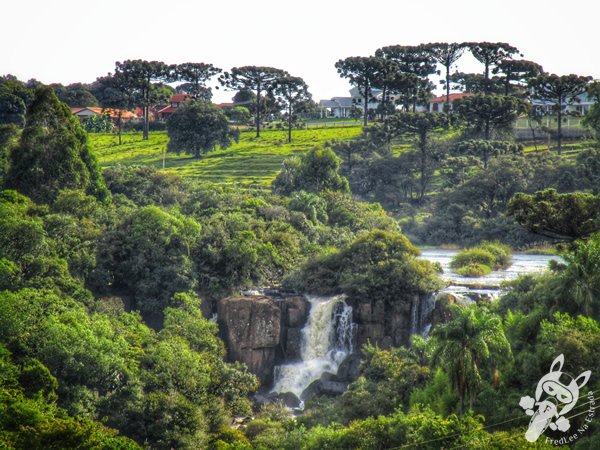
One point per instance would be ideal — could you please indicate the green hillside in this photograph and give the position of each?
(253, 161)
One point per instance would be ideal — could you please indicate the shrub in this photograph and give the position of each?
(474, 270)
(481, 260)
(473, 255)
(501, 252)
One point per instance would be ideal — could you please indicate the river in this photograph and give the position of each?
(488, 285)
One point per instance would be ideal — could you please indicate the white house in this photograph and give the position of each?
(581, 106)
(342, 106)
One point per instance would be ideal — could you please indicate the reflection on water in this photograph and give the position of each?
(488, 285)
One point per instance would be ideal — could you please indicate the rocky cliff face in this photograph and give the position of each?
(262, 331)
(387, 324)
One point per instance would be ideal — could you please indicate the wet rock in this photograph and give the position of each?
(321, 387)
(262, 331)
(385, 324)
(441, 312)
(251, 328)
(287, 398)
(293, 344)
(349, 369)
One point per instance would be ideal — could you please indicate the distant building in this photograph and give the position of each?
(581, 106)
(177, 101)
(336, 107)
(83, 113)
(343, 106)
(437, 104)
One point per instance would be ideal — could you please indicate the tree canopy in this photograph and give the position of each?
(558, 91)
(196, 128)
(254, 78)
(53, 153)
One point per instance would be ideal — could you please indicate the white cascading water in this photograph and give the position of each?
(327, 338)
(421, 310)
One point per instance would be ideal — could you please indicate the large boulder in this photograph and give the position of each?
(382, 323)
(323, 386)
(251, 328)
(262, 331)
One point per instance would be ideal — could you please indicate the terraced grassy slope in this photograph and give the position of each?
(253, 161)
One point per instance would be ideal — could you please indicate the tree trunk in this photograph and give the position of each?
(485, 157)
(383, 102)
(486, 83)
(487, 130)
(119, 128)
(533, 134)
(423, 148)
(258, 86)
(366, 105)
(290, 122)
(448, 89)
(146, 123)
(559, 128)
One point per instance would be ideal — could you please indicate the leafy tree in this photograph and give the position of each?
(580, 280)
(559, 91)
(244, 97)
(379, 265)
(114, 95)
(145, 185)
(292, 93)
(238, 114)
(140, 78)
(362, 72)
(415, 64)
(195, 75)
(447, 55)
(562, 217)
(475, 83)
(467, 347)
(53, 153)
(12, 108)
(421, 125)
(416, 59)
(485, 113)
(588, 170)
(75, 95)
(592, 116)
(490, 54)
(149, 255)
(253, 78)
(316, 171)
(388, 80)
(486, 149)
(517, 73)
(197, 128)
(16, 87)
(8, 139)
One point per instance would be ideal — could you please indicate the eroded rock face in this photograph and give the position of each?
(383, 324)
(251, 327)
(262, 331)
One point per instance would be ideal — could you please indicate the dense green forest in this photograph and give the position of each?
(111, 267)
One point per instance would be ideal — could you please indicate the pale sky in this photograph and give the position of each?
(77, 40)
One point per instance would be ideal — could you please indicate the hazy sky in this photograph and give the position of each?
(75, 40)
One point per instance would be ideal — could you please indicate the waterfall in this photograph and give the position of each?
(421, 310)
(327, 338)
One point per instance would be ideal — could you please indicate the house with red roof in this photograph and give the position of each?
(83, 113)
(177, 101)
(437, 104)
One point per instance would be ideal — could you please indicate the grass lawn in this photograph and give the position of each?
(253, 162)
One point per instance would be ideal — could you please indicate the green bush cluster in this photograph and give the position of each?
(481, 260)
